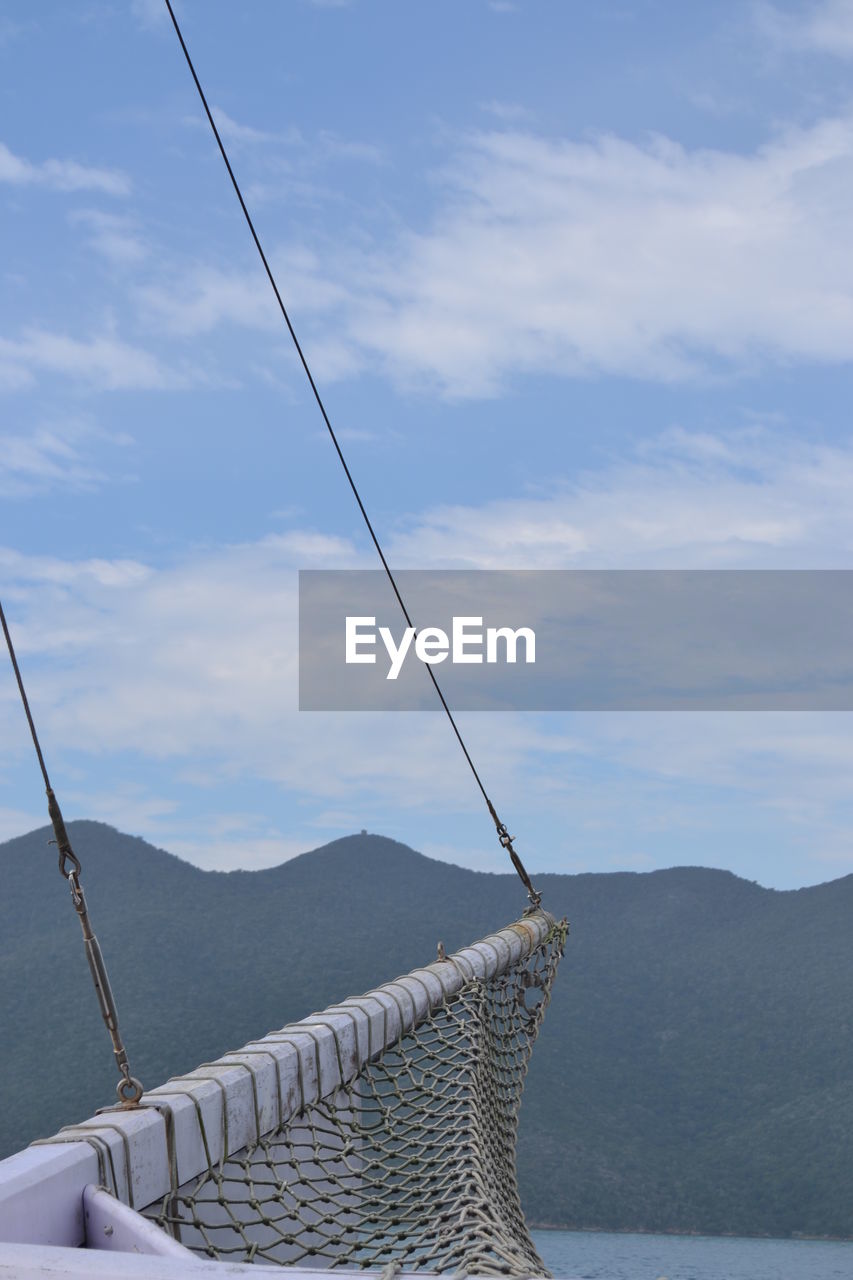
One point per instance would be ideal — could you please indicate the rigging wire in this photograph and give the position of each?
(24, 699)
(503, 835)
(129, 1089)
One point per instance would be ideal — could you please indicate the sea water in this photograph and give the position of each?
(593, 1255)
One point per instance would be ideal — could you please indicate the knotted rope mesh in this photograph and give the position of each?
(411, 1163)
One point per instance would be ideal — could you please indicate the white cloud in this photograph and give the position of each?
(333, 147)
(611, 257)
(113, 237)
(290, 149)
(130, 807)
(231, 131)
(52, 456)
(14, 822)
(208, 297)
(103, 362)
(751, 499)
(575, 258)
(191, 666)
(57, 572)
(60, 175)
(149, 13)
(823, 27)
(507, 112)
(201, 656)
(217, 632)
(241, 846)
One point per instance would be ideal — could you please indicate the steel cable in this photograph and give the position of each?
(503, 835)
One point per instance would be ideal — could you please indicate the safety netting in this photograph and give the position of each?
(410, 1163)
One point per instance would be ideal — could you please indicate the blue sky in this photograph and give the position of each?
(577, 284)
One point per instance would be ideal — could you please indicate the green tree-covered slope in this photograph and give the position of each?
(695, 1070)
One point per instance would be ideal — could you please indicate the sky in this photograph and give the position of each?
(576, 283)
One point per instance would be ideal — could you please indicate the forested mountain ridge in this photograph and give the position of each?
(695, 1069)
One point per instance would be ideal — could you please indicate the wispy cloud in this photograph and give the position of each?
(60, 175)
(114, 237)
(579, 258)
(149, 13)
(507, 112)
(652, 261)
(207, 297)
(53, 456)
(823, 27)
(104, 362)
(13, 822)
(219, 846)
(234, 132)
(753, 498)
(303, 153)
(98, 573)
(334, 147)
(195, 661)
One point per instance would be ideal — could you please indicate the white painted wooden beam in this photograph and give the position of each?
(41, 1194)
(112, 1227)
(253, 1089)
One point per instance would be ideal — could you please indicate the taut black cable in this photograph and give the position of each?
(24, 700)
(129, 1089)
(503, 835)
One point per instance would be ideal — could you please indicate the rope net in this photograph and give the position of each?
(410, 1163)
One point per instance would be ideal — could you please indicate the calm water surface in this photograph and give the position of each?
(591, 1255)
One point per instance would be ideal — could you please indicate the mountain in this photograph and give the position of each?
(695, 1069)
